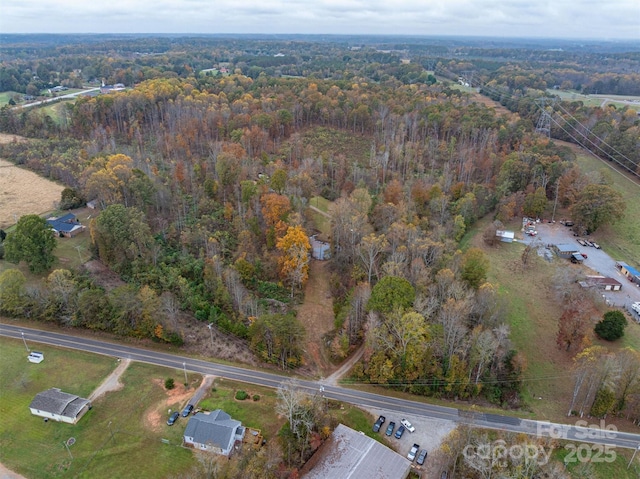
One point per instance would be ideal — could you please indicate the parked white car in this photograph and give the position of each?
(407, 425)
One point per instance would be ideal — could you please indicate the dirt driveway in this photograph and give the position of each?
(598, 262)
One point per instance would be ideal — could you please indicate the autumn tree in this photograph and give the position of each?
(294, 263)
(535, 203)
(598, 205)
(572, 328)
(32, 241)
(275, 210)
(371, 246)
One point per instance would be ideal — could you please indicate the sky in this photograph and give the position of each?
(583, 19)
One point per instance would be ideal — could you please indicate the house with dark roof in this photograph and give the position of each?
(215, 432)
(349, 453)
(67, 225)
(59, 406)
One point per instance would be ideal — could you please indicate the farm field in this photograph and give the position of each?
(23, 192)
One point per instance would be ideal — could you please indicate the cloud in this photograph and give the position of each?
(552, 18)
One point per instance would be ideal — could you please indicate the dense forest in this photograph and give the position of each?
(204, 182)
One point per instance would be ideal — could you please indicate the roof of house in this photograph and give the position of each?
(215, 428)
(566, 248)
(506, 234)
(602, 280)
(64, 223)
(349, 453)
(55, 401)
(632, 271)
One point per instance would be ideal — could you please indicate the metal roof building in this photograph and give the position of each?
(349, 453)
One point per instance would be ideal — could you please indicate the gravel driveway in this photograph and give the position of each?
(597, 260)
(429, 434)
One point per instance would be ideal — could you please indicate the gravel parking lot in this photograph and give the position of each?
(429, 434)
(598, 261)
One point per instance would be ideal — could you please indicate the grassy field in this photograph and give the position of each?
(57, 110)
(597, 100)
(34, 448)
(5, 96)
(322, 222)
(622, 240)
(617, 469)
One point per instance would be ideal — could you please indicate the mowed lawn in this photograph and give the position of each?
(532, 315)
(36, 449)
(621, 240)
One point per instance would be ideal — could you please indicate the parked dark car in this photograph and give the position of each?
(173, 418)
(400, 432)
(379, 423)
(390, 428)
(422, 457)
(187, 410)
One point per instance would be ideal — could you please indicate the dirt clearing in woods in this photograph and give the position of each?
(316, 315)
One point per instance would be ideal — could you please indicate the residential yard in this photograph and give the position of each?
(35, 449)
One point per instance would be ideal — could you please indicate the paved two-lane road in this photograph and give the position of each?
(352, 396)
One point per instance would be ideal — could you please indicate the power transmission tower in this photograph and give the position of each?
(544, 122)
(467, 77)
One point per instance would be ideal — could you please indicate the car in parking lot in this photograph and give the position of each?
(400, 432)
(582, 242)
(390, 428)
(379, 423)
(412, 453)
(187, 410)
(173, 418)
(407, 425)
(422, 457)
(595, 245)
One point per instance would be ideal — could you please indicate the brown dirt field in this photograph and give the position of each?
(316, 314)
(488, 102)
(23, 192)
(156, 415)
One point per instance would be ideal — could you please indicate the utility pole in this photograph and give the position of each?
(25, 342)
(544, 122)
(184, 366)
(110, 430)
(210, 326)
(555, 202)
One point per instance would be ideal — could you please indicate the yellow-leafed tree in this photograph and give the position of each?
(294, 263)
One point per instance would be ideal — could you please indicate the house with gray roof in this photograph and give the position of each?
(214, 432)
(349, 453)
(59, 406)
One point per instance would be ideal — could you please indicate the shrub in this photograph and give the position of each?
(612, 325)
(169, 383)
(256, 397)
(241, 395)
